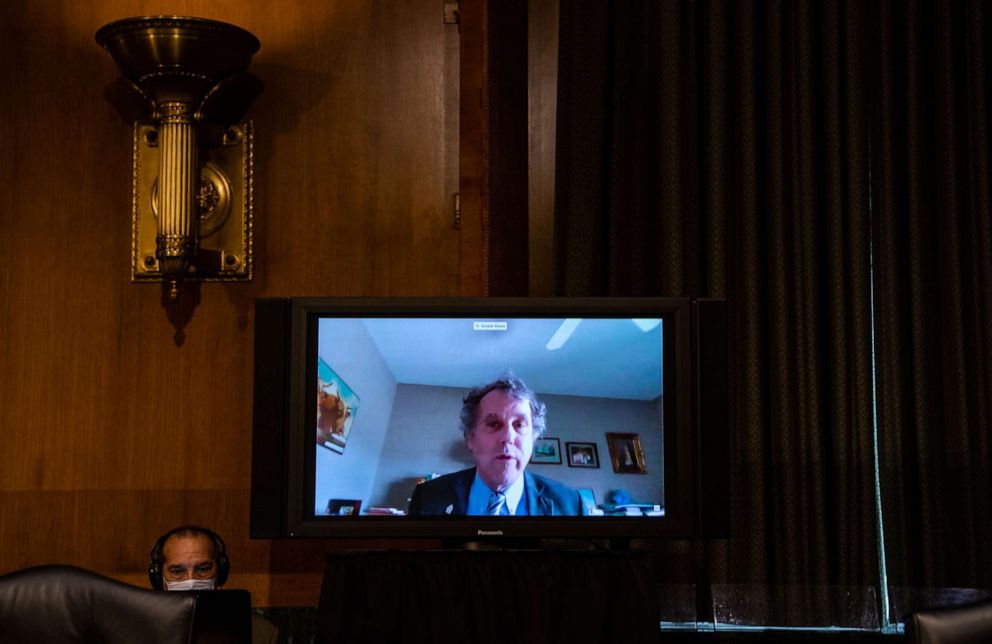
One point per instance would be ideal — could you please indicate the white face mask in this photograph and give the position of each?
(191, 584)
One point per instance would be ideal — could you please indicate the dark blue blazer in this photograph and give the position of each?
(544, 497)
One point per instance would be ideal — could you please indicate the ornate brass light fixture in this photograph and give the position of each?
(192, 207)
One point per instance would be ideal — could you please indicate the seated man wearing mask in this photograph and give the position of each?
(500, 422)
(193, 558)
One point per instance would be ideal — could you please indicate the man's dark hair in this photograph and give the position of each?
(218, 552)
(514, 388)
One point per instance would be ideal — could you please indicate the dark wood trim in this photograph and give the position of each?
(542, 91)
(472, 149)
(508, 261)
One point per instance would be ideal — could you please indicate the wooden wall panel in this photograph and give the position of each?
(120, 419)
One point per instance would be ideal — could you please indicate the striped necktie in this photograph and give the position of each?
(497, 504)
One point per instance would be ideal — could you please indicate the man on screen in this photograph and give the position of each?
(500, 422)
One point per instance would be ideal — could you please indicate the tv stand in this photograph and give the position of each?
(488, 595)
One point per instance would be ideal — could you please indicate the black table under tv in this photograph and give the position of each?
(498, 596)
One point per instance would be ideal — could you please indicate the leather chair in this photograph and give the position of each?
(969, 624)
(65, 604)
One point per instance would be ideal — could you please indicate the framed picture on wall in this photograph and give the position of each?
(582, 454)
(337, 406)
(626, 453)
(547, 451)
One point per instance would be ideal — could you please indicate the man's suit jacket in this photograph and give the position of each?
(449, 495)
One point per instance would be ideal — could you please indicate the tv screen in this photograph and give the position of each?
(473, 418)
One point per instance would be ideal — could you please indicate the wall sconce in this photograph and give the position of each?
(191, 194)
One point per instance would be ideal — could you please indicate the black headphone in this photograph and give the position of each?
(157, 557)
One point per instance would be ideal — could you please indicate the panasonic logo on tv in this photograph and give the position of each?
(489, 533)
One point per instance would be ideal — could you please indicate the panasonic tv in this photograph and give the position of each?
(358, 428)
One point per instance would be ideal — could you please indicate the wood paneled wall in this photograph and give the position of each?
(119, 420)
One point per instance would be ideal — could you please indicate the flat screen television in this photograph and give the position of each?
(358, 428)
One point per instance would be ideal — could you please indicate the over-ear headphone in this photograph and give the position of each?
(157, 556)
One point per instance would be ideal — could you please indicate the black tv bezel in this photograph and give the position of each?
(299, 368)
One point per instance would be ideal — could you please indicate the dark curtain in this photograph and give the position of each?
(781, 154)
(933, 290)
(722, 149)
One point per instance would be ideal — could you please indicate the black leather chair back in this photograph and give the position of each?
(971, 624)
(65, 604)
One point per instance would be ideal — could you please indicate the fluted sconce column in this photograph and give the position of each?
(178, 173)
(192, 164)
